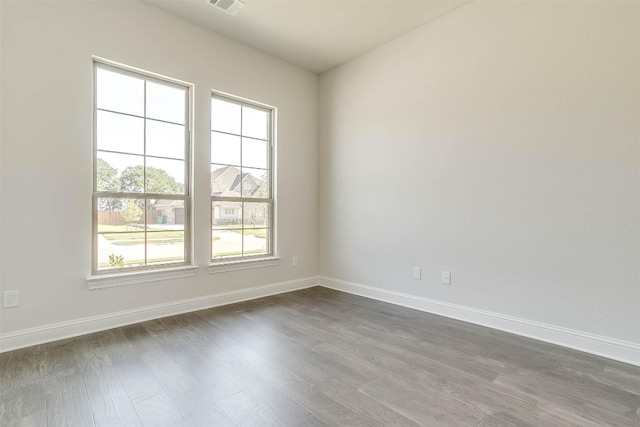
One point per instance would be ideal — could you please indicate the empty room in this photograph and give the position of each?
(320, 213)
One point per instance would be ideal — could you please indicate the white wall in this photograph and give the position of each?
(501, 143)
(46, 103)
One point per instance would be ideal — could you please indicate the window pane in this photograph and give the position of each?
(165, 215)
(165, 139)
(255, 153)
(227, 229)
(225, 116)
(225, 149)
(118, 92)
(226, 243)
(255, 183)
(255, 123)
(120, 172)
(166, 102)
(120, 233)
(256, 241)
(113, 218)
(226, 214)
(225, 181)
(165, 176)
(257, 215)
(165, 246)
(118, 132)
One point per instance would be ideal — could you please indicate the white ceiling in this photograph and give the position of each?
(314, 34)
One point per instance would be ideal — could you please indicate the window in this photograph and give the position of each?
(242, 202)
(141, 201)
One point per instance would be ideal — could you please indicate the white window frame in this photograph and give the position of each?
(242, 262)
(129, 275)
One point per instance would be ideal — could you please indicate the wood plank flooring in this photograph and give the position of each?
(312, 358)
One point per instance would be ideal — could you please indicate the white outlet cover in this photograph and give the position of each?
(417, 273)
(11, 299)
(294, 261)
(446, 277)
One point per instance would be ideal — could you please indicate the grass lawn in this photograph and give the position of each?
(151, 240)
(131, 242)
(248, 231)
(102, 228)
(128, 235)
(258, 232)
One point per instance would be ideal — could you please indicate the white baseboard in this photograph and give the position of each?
(595, 344)
(57, 331)
(623, 351)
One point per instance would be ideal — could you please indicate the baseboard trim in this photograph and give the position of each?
(623, 351)
(610, 348)
(57, 331)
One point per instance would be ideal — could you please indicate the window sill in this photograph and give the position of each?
(122, 279)
(244, 264)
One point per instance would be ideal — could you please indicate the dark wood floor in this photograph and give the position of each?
(312, 357)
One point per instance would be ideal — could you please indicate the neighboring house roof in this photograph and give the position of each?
(250, 186)
(226, 182)
(222, 179)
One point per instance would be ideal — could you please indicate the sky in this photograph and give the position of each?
(121, 119)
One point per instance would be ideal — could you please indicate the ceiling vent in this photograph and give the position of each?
(230, 6)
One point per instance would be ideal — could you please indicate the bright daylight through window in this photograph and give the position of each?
(141, 182)
(241, 180)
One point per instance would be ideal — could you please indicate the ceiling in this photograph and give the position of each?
(314, 34)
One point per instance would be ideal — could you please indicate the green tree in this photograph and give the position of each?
(108, 180)
(263, 185)
(116, 260)
(257, 213)
(131, 213)
(158, 181)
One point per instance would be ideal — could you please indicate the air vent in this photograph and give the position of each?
(230, 6)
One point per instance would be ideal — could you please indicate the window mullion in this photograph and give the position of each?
(241, 181)
(144, 173)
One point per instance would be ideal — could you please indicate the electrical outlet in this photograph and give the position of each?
(294, 261)
(417, 273)
(11, 298)
(446, 277)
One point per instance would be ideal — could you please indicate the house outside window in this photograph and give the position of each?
(141, 191)
(242, 202)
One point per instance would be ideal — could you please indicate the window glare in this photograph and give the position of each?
(225, 116)
(165, 103)
(165, 140)
(255, 123)
(225, 149)
(120, 93)
(255, 153)
(119, 132)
